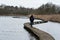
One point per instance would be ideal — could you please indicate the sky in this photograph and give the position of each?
(28, 3)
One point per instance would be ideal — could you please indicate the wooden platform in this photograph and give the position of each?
(41, 34)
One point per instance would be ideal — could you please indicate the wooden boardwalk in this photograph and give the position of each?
(41, 34)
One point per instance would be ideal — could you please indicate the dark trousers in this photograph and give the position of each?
(31, 23)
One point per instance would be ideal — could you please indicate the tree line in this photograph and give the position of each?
(11, 10)
(47, 8)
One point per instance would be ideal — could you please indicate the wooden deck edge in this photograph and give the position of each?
(31, 32)
(36, 33)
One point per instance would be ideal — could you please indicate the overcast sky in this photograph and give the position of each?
(28, 3)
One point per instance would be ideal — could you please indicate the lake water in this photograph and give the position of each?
(13, 29)
(50, 27)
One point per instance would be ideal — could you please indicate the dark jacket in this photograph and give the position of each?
(31, 18)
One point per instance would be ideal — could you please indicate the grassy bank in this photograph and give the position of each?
(54, 17)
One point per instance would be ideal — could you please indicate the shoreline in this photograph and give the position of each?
(52, 18)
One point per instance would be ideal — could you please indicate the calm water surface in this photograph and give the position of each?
(12, 29)
(50, 27)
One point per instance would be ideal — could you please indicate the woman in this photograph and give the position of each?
(31, 20)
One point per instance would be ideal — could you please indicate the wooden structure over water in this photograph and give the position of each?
(41, 35)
